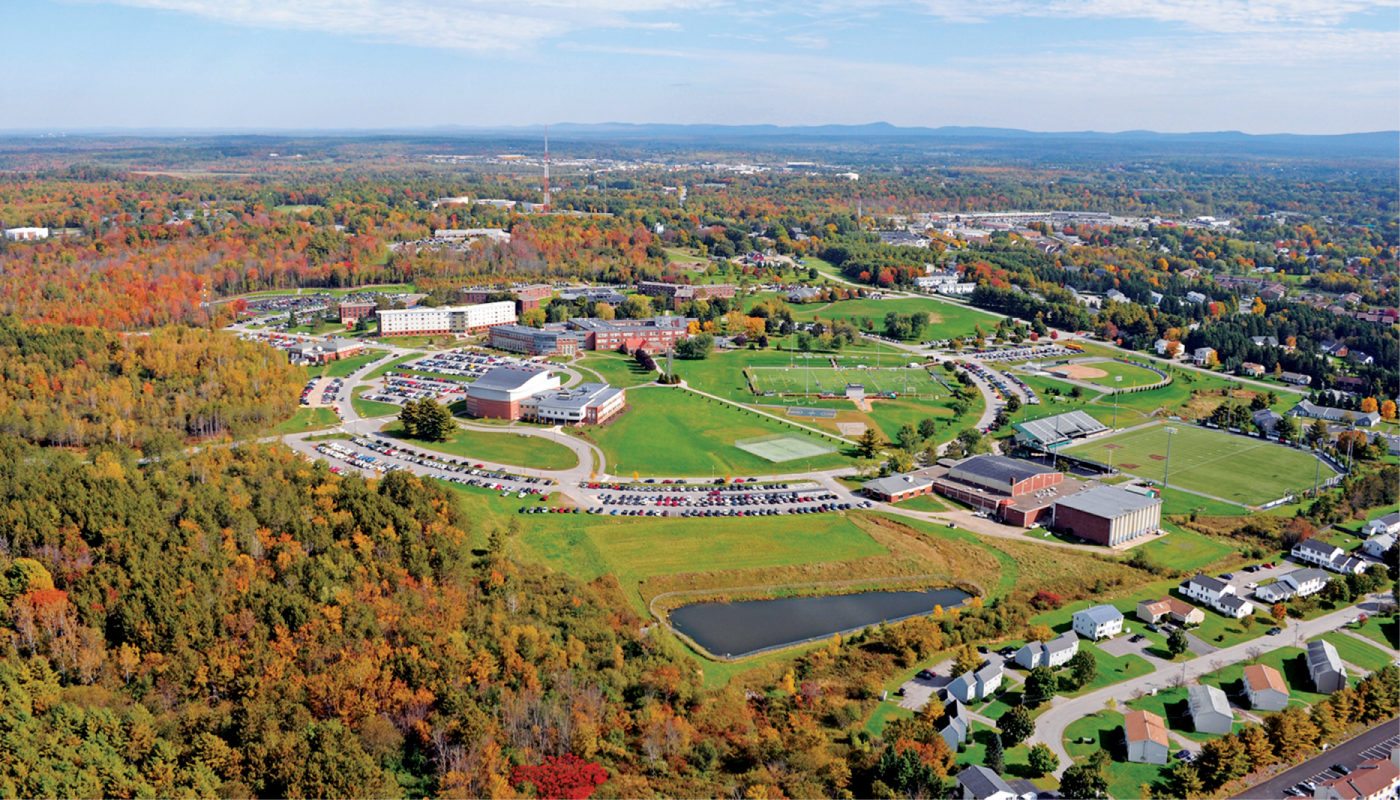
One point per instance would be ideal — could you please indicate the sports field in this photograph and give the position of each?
(1213, 463)
(780, 447)
(1107, 374)
(831, 380)
(947, 319)
(672, 432)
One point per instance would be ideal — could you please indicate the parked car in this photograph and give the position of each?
(1275, 631)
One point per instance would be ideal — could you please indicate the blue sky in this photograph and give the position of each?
(1170, 65)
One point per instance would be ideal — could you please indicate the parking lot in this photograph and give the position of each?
(466, 363)
(1375, 743)
(711, 499)
(399, 389)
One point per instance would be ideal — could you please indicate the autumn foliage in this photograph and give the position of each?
(565, 777)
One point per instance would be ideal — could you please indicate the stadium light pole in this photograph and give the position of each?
(1116, 379)
(1166, 471)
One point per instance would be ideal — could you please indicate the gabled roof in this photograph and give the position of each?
(1298, 577)
(1232, 604)
(1208, 583)
(1368, 779)
(1262, 677)
(1322, 657)
(1207, 699)
(1060, 427)
(1181, 608)
(981, 782)
(1321, 548)
(1065, 641)
(1144, 726)
(1100, 614)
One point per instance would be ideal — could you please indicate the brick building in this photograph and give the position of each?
(526, 297)
(356, 310)
(535, 341)
(655, 335)
(678, 294)
(1107, 515)
(500, 393)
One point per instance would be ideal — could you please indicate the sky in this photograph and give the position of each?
(1260, 66)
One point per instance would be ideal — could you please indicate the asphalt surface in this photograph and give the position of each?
(1374, 743)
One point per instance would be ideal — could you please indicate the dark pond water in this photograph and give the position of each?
(736, 629)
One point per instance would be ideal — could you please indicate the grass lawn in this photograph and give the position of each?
(884, 713)
(669, 431)
(532, 452)
(589, 547)
(1131, 375)
(925, 502)
(1355, 651)
(307, 419)
(392, 365)
(345, 366)
(1184, 549)
(372, 408)
(947, 320)
(1382, 630)
(1112, 669)
(1175, 501)
(1234, 468)
(1289, 661)
(1104, 730)
(617, 369)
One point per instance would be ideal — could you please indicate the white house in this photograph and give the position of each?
(1304, 582)
(1053, 653)
(976, 782)
(1210, 711)
(26, 234)
(973, 687)
(1217, 594)
(1378, 545)
(1390, 523)
(1201, 355)
(1098, 622)
(1312, 551)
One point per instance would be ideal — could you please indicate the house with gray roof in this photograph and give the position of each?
(1310, 410)
(1053, 653)
(1098, 622)
(1325, 668)
(953, 726)
(976, 782)
(1210, 711)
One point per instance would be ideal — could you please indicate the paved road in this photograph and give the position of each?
(1050, 727)
(1374, 743)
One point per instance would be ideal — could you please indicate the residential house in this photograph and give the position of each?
(1202, 355)
(953, 726)
(974, 687)
(1304, 582)
(1296, 378)
(1252, 369)
(976, 782)
(1146, 734)
(1217, 594)
(1152, 611)
(1306, 408)
(1390, 523)
(1183, 613)
(1264, 341)
(1267, 419)
(1318, 553)
(1210, 711)
(1098, 622)
(1195, 297)
(1332, 347)
(1325, 668)
(1377, 546)
(1264, 687)
(1052, 654)
(1360, 358)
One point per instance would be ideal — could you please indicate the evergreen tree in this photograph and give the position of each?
(995, 759)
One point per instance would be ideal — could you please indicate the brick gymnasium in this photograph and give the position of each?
(1020, 493)
(499, 393)
(534, 394)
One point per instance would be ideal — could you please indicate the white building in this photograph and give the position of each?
(1098, 622)
(1053, 653)
(1378, 545)
(1210, 711)
(587, 403)
(1217, 594)
(445, 319)
(1390, 523)
(26, 234)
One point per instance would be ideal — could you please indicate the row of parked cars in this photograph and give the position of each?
(678, 485)
(465, 363)
(399, 389)
(470, 474)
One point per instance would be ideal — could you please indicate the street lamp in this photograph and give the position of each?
(1166, 471)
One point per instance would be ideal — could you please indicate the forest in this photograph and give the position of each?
(76, 387)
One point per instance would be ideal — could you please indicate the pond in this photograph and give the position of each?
(742, 628)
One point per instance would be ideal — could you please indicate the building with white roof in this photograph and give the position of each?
(457, 320)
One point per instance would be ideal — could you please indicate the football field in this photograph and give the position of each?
(833, 380)
(1241, 469)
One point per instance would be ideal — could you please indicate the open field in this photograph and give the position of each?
(832, 380)
(345, 366)
(307, 419)
(616, 369)
(1131, 375)
(1382, 630)
(532, 452)
(947, 320)
(1238, 468)
(671, 432)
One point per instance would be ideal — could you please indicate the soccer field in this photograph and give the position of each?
(831, 380)
(1236, 468)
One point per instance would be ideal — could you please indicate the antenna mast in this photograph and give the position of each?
(546, 168)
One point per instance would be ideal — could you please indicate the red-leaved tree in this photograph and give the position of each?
(565, 777)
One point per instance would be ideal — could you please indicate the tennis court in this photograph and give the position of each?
(781, 448)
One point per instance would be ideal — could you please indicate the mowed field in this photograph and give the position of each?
(947, 320)
(1236, 468)
(1131, 375)
(672, 432)
(815, 380)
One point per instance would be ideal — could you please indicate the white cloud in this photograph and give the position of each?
(1238, 16)
(477, 25)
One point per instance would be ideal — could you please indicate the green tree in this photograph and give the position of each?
(1084, 782)
(869, 443)
(928, 427)
(1042, 759)
(1040, 685)
(1177, 642)
(995, 758)
(1015, 725)
(1184, 780)
(1083, 668)
(908, 438)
